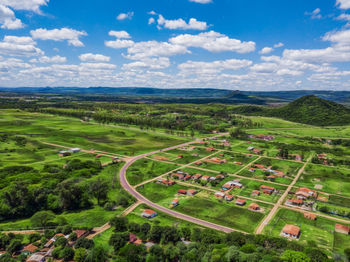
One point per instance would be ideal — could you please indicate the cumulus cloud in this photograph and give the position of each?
(94, 57)
(119, 34)
(343, 4)
(19, 46)
(214, 42)
(47, 60)
(148, 63)
(151, 20)
(278, 45)
(266, 50)
(192, 67)
(119, 44)
(123, 16)
(192, 24)
(201, 1)
(64, 34)
(316, 14)
(8, 19)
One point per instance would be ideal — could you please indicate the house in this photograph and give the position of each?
(81, 233)
(178, 176)
(187, 177)
(182, 191)
(219, 194)
(165, 182)
(29, 249)
(175, 202)
(75, 150)
(259, 166)
(254, 207)
(196, 176)
(198, 163)
(195, 154)
(235, 183)
(250, 148)
(294, 202)
(237, 163)
(267, 189)
(191, 192)
(216, 160)
(64, 153)
(305, 193)
(342, 229)
(36, 258)
(210, 149)
(148, 213)
(271, 178)
(298, 158)
(132, 238)
(205, 178)
(180, 156)
(251, 169)
(226, 186)
(258, 151)
(310, 216)
(240, 202)
(255, 193)
(291, 231)
(220, 177)
(229, 197)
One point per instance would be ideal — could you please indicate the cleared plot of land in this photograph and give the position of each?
(203, 206)
(333, 180)
(321, 231)
(145, 169)
(74, 133)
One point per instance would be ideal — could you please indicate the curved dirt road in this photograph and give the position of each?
(125, 184)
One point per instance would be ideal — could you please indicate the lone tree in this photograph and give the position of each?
(99, 189)
(42, 218)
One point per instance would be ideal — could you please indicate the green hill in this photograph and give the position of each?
(308, 109)
(314, 111)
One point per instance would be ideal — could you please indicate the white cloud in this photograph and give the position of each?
(104, 66)
(71, 35)
(28, 5)
(123, 16)
(343, 4)
(192, 67)
(119, 34)
(201, 1)
(151, 20)
(316, 14)
(141, 50)
(192, 24)
(278, 45)
(118, 44)
(214, 42)
(8, 19)
(55, 59)
(94, 57)
(19, 46)
(266, 50)
(148, 63)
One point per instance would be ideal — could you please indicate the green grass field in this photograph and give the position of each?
(320, 231)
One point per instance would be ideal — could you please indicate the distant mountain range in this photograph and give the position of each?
(193, 95)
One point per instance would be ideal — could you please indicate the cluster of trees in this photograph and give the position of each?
(25, 190)
(186, 244)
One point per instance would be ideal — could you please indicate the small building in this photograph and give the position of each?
(252, 169)
(182, 191)
(220, 177)
(81, 233)
(187, 177)
(191, 192)
(205, 178)
(294, 202)
(64, 153)
(291, 231)
(75, 150)
(175, 202)
(255, 193)
(305, 193)
(219, 194)
(240, 202)
(196, 176)
(226, 187)
(198, 163)
(210, 149)
(339, 228)
(180, 156)
(229, 197)
(310, 216)
(237, 163)
(267, 189)
(254, 207)
(29, 249)
(36, 258)
(148, 213)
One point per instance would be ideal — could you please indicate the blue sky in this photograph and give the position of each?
(230, 44)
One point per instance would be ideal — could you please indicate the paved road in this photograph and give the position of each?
(125, 184)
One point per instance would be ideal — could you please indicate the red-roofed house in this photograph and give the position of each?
(205, 177)
(182, 191)
(240, 202)
(81, 233)
(310, 216)
(29, 249)
(294, 202)
(229, 197)
(191, 192)
(342, 229)
(291, 231)
(148, 213)
(254, 207)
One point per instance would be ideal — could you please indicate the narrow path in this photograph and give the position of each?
(273, 211)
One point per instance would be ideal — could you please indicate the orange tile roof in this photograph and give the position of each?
(291, 230)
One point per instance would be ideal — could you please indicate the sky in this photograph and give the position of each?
(228, 44)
